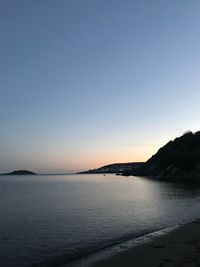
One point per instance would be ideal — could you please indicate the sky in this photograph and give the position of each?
(93, 82)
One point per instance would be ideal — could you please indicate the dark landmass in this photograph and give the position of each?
(20, 172)
(178, 159)
(115, 168)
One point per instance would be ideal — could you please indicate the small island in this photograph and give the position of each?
(21, 172)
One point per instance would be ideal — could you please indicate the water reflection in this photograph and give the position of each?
(70, 214)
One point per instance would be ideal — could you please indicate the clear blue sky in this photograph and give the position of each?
(85, 83)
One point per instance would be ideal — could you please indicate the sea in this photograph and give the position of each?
(56, 220)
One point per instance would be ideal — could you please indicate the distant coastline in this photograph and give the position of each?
(178, 160)
(117, 168)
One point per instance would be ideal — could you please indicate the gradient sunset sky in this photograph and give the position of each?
(85, 83)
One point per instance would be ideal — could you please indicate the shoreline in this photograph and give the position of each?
(176, 245)
(105, 253)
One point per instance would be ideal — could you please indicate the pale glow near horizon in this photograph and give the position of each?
(89, 84)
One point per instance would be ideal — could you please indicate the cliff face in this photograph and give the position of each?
(177, 159)
(116, 168)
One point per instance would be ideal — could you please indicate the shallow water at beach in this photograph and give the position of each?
(47, 220)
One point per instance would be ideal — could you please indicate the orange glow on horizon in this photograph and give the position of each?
(96, 160)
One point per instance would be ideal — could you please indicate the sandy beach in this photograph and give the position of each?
(178, 248)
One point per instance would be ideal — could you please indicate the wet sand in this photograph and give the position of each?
(179, 248)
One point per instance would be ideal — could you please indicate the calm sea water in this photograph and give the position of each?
(48, 220)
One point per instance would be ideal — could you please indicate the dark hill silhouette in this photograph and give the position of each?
(177, 159)
(20, 172)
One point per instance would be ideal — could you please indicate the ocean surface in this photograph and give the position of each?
(50, 220)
